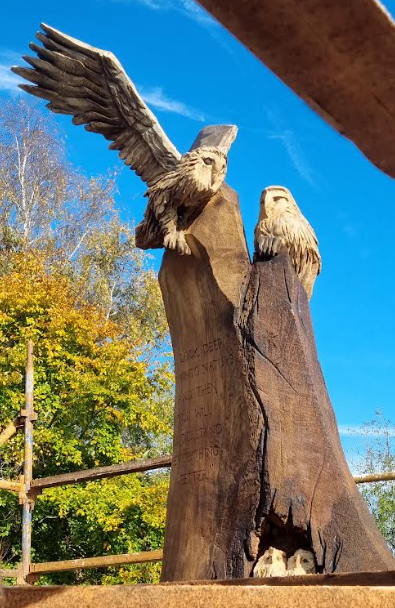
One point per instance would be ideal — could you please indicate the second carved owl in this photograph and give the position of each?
(282, 224)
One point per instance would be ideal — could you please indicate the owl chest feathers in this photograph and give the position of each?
(186, 186)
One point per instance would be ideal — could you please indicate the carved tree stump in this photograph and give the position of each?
(257, 456)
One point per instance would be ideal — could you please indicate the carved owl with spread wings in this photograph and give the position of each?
(281, 224)
(91, 85)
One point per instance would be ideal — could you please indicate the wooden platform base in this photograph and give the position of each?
(329, 591)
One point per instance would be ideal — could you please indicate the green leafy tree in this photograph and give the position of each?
(72, 280)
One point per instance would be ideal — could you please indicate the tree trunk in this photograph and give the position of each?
(257, 456)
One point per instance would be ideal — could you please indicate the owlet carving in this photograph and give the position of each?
(272, 563)
(281, 224)
(91, 85)
(302, 562)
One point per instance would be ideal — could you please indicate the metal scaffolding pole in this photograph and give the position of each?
(28, 503)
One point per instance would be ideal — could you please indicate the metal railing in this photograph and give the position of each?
(29, 488)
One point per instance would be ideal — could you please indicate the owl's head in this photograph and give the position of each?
(207, 167)
(273, 556)
(272, 563)
(275, 200)
(301, 562)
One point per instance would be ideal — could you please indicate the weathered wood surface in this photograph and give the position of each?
(345, 579)
(196, 596)
(102, 561)
(132, 466)
(338, 56)
(257, 459)
(375, 477)
(212, 423)
(310, 499)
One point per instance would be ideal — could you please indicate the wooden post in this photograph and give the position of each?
(257, 459)
(28, 503)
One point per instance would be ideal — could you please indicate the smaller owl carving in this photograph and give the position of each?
(301, 562)
(272, 563)
(281, 224)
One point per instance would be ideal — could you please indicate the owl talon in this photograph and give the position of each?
(176, 241)
(269, 246)
(182, 246)
(277, 243)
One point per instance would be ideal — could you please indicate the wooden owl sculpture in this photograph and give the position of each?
(300, 563)
(272, 563)
(281, 224)
(91, 85)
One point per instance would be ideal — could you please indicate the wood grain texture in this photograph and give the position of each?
(212, 421)
(337, 56)
(310, 499)
(346, 579)
(196, 596)
(257, 459)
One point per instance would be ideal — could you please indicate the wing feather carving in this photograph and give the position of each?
(91, 85)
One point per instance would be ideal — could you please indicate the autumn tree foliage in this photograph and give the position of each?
(72, 280)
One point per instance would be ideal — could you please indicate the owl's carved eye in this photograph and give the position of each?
(208, 161)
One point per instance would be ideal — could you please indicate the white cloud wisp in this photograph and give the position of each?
(9, 81)
(157, 99)
(188, 8)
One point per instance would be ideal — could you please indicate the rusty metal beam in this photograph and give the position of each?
(133, 466)
(28, 503)
(103, 561)
(338, 56)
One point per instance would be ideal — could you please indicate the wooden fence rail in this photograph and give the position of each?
(132, 466)
(36, 569)
(103, 561)
(374, 477)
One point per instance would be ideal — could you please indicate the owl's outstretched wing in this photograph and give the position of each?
(91, 85)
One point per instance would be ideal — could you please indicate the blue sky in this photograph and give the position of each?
(192, 72)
